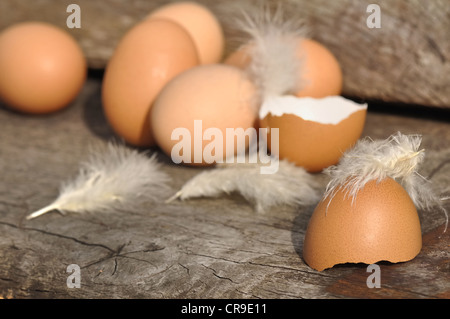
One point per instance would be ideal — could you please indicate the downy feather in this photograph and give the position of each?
(275, 66)
(397, 157)
(290, 185)
(113, 178)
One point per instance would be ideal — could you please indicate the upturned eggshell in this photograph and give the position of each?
(202, 25)
(145, 60)
(311, 144)
(42, 67)
(220, 96)
(381, 225)
(320, 73)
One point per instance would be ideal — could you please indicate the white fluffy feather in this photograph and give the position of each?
(397, 157)
(290, 185)
(275, 65)
(115, 178)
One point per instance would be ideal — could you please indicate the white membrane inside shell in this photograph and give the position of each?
(327, 110)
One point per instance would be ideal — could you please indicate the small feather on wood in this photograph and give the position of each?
(114, 177)
(290, 185)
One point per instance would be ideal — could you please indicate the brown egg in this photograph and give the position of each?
(320, 74)
(201, 24)
(381, 225)
(313, 133)
(241, 58)
(193, 112)
(42, 67)
(146, 59)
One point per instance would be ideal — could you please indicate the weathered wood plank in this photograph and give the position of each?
(205, 248)
(406, 60)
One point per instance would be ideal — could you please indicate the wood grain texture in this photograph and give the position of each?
(203, 248)
(406, 60)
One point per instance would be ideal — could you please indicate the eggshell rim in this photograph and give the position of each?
(327, 110)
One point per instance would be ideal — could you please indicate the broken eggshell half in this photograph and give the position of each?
(380, 224)
(313, 132)
(369, 210)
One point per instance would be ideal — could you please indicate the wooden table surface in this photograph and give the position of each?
(204, 248)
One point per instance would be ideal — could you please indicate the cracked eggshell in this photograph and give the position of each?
(313, 133)
(382, 224)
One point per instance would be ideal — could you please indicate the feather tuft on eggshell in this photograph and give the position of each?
(369, 210)
(382, 224)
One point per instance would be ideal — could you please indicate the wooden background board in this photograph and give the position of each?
(406, 60)
(204, 248)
